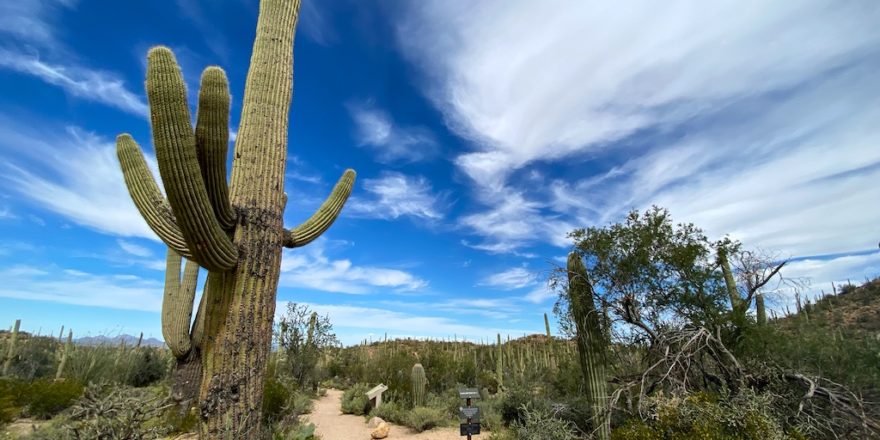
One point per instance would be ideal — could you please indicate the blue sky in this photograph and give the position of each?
(481, 132)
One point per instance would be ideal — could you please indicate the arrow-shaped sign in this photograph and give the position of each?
(469, 412)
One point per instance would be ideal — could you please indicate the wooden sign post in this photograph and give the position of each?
(470, 414)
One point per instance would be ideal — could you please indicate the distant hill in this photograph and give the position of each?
(854, 311)
(114, 340)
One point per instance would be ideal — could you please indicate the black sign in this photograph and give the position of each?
(469, 412)
(469, 428)
(469, 393)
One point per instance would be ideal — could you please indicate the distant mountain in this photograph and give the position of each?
(114, 340)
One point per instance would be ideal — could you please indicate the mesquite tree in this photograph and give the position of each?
(233, 230)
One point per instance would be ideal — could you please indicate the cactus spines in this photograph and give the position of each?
(419, 381)
(68, 347)
(10, 347)
(591, 343)
(233, 230)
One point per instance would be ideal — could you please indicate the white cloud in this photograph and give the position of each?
(313, 23)
(29, 20)
(394, 195)
(746, 118)
(308, 267)
(513, 278)
(819, 274)
(540, 294)
(76, 287)
(81, 179)
(392, 142)
(78, 81)
(134, 248)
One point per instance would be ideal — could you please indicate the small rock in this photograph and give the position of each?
(381, 431)
(374, 422)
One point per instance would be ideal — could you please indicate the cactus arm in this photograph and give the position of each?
(212, 141)
(175, 145)
(177, 304)
(146, 195)
(321, 220)
(198, 328)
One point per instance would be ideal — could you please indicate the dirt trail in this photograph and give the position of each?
(333, 425)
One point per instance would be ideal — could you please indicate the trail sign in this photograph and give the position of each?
(469, 412)
(469, 429)
(468, 393)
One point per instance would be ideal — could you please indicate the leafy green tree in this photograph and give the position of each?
(303, 336)
(650, 274)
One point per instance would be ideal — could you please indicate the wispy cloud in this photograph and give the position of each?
(746, 123)
(30, 20)
(78, 81)
(513, 278)
(313, 22)
(309, 267)
(393, 195)
(79, 179)
(392, 142)
(78, 287)
(134, 248)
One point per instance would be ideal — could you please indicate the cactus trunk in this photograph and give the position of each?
(591, 343)
(761, 309)
(10, 347)
(67, 349)
(419, 381)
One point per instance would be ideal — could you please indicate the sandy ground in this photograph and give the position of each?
(333, 425)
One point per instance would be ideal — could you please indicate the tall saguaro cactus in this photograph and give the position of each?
(418, 381)
(499, 365)
(68, 347)
(234, 230)
(591, 343)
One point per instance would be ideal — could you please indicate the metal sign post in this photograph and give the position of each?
(471, 414)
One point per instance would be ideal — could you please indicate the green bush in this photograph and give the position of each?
(35, 358)
(424, 418)
(274, 400)
(297, 432)
(354, 400)
(540, 424)
(47, 397)
(116, 412)
(145, 366)
(390, 411)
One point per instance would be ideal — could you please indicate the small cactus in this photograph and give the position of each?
(68, 347)
(419, 381)
(10, 347)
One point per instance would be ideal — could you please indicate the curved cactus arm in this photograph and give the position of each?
(175, 145)
(212, 141)
(177, 304)
(146, 195)
(321, 220)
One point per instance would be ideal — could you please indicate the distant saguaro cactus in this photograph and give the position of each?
(499, 365)
(419, 381)
(234, 230)
(591, 343)
(10, 347)
(68, 347)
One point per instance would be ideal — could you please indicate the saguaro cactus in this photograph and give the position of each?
(234, 231)
(183, 340)
(499, 370)
(761, 309)
(419, 380)
(591, 343)
(68, 347)
(10, 347)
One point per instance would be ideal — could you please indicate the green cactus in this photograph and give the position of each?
(235, 230)
(418, 382)
(11, 347)
(68, 347)
(183, 341)
(547, 327)
(591, 343)
(499, 373)
(761, 309)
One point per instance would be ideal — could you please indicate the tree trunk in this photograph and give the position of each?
(186, 380)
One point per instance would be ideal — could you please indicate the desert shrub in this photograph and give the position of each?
(513, 402)
(424, 418)
(178, 421)
(90, 364)
(297, 432)
(116, 412)
(46, 397)
(274, 400)
(354, 400)
(541, 424)
(34, 358)
(390, 411)
(144, 366)
(300, 403)
(702, 415)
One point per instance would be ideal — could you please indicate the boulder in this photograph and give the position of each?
(374, 422)
(381, 431)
